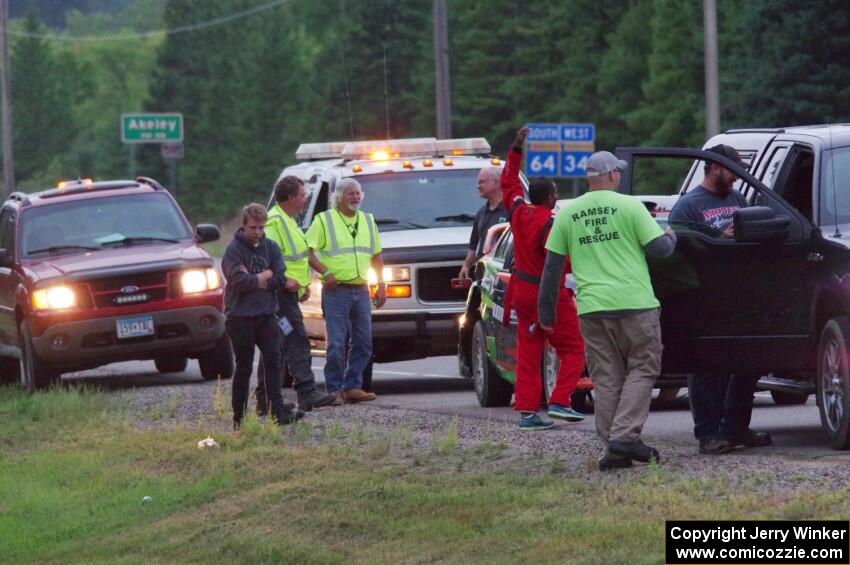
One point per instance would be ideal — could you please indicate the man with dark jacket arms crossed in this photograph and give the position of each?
(253, 266)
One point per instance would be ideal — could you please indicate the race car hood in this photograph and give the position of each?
(121, 258)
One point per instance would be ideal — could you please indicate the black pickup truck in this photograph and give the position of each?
(775, 299)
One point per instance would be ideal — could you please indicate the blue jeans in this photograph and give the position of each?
(348, 319)
(721, 405)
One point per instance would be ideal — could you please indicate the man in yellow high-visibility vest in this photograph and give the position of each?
(291, 198)
(344, 243)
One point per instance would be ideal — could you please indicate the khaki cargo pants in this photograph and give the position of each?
(624, 359)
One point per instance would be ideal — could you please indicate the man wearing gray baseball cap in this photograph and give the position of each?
(607, 236)
(603, 162)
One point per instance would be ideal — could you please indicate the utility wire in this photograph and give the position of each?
(146, 34)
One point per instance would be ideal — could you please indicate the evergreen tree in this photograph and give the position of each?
(42, 121)
(794, 67)
(672, 110)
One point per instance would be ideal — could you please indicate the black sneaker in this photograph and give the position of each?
(749, 438)
(315, 399)
(715, 446)
(635, 450)
(608, 462)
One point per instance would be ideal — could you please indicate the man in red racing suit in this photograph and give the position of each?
(530, 224)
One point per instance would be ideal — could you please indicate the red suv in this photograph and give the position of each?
(97, 272)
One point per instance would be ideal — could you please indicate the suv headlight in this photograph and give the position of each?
(199, 280)
(54, 298)
(391, 274)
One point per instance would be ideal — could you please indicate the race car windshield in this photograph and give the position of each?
(89, 224)
(422, 199)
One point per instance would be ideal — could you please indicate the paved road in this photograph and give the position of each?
(432, 385)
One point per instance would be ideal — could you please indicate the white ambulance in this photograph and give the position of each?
(423, 195)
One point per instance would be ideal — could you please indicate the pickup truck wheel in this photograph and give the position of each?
(491, 389)
(217, 362)
(35, 373)
(367, 375)
(10, 370)
(785, 398)
(171, 364)
(833, 382)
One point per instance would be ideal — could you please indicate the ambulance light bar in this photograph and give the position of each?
(382, 150)
(320, 150)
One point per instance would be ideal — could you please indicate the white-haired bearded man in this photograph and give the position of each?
(344, 242)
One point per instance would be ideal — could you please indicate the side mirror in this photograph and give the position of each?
(205, 233)
(758, 224)
(5, 258)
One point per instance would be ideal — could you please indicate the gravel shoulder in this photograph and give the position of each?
(484, 445)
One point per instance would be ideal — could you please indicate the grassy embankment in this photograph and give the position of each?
(74, 471)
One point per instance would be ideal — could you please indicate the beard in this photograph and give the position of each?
(721, 187)
(354, 206)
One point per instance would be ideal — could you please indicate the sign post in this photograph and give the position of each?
(559, 150)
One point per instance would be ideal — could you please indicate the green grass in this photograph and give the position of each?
(74, 471)
(215, 248)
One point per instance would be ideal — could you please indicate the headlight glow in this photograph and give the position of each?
(194, 281)
(213, 280)
(54, 298)
(391, 274)
(199, 280)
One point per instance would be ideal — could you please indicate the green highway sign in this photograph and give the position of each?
(151, 128)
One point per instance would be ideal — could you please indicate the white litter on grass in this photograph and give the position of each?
(147, 499)
(207, 442)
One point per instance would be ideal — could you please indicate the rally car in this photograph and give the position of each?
(487, 348)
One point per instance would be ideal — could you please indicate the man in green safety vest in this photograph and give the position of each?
(291, 198)
(344, 243)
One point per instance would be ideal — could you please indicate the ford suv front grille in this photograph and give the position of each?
(129, 290)
(434, 284)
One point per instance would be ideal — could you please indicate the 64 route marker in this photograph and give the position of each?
(558, 150)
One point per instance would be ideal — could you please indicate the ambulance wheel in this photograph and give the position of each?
(367, 376)
(491, 389)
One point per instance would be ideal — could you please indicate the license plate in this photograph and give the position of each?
(134, 327)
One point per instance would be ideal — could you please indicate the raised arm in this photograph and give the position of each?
(511, 187)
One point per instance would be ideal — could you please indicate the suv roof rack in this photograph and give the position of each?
(150, 182)
(756, 130)
(21, 197)
(89, 187)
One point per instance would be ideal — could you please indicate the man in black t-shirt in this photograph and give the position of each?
(721, 404)
(492, 213)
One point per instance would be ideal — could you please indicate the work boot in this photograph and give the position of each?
(357, 395)
(315, 399)
(635, 450)
(608, 462)
(749, 438)
(290, 417)
(715, 446)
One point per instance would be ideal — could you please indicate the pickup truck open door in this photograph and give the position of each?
(737, 304)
